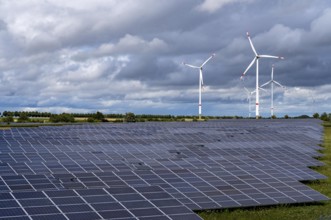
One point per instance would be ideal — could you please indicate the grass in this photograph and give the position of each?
(318, 211)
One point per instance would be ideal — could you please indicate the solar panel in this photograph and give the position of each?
(156, 170)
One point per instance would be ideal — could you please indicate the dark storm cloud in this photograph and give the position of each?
(114, 55)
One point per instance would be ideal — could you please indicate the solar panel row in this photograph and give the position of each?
(156, 170)
(112, 203)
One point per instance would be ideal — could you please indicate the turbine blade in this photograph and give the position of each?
(207, 60)
(262, 89)
(246, 90)
(279, 84)
(269, 56)
(249, 66)
(251, 43)
(189, 65)
(265, 84)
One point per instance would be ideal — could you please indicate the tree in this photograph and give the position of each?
(286, 117)
(7, 113)
(64, 117)
(303, 116)
(316, 115)
(130, 117)
(324, 117)
(273, 117)
(96, 117)
(8, 119)
(23, 117)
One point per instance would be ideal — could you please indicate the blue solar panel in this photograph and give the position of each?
(156, 170)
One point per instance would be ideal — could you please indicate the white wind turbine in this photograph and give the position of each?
(249, 95)
(256, 59)
(200, 79)
(272, 82)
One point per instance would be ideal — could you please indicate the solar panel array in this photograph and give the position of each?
(156, 170)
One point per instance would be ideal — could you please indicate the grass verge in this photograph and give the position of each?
(315, 211)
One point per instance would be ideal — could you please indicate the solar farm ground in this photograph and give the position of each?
(157, 170)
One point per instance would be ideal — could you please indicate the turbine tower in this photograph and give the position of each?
(256, 59)
(249, 94)
(200, 79)
(272, 81)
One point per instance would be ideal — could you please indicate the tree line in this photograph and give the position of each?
(49, 114)
(35, 116)
(324, 116)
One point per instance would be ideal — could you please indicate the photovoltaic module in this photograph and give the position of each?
(156, 170)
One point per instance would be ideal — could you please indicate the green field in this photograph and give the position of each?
(318, 211)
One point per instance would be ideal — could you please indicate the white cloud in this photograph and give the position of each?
(213, 5)
(130, 44)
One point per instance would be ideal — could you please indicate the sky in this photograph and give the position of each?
(118, 56)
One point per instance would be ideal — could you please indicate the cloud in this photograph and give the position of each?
(133, 44)
(213, 5)
(319, 33)
(119, 56)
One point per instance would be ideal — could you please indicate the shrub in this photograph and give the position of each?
(130, 117)
(98, 116)
(8, 119)
(62, 118)
(325, 117)
(90, 119)
(23, 117)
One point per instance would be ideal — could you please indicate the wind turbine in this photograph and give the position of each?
(200, 79)
(256, 59)
(272, 82)
(249, 94)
